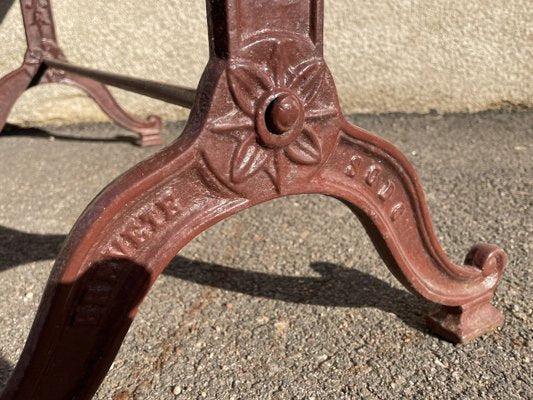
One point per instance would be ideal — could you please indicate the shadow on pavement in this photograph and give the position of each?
(337, 286)
(18, 248)
(5, 6)
(15, 130)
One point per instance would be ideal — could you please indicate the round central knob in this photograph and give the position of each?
(284, 113)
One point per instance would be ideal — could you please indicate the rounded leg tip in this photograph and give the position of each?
(155, 122)
(488, 258)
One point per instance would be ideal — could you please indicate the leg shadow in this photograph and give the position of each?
(15, 130)
(5, 6)
(18, 248)
(337, 286)
(5, 370)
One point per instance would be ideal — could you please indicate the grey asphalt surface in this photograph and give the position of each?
(288, 300)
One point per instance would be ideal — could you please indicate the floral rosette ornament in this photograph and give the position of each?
(280, 105)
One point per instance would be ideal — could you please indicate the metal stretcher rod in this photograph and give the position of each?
(181, 96)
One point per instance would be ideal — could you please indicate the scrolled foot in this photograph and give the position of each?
(148, 129)
(150, 136)
(386, 195)
(462, 324)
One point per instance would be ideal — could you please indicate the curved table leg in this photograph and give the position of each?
(132, 230)
(382, 188)
(12, 86)
(112, 257)
(147, 129)
(42, 43)
(265, 124)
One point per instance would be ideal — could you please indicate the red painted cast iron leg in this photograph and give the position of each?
(266, 123)
(11, 88)
(42, 43)
(147, 129)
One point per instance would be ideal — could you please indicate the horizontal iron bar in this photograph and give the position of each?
(181, 96)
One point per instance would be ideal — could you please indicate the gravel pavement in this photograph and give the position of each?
(288, 300)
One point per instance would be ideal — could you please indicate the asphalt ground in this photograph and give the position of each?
(288, 300)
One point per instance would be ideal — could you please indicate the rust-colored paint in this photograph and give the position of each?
(42, 44)
(266, 123)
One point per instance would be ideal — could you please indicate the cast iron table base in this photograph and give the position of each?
(42, 44)
(266, 123)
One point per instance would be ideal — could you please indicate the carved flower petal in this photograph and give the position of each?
(248, 160)
(247, 83)
(281, 63)
(306, 149)
(281, 166)
(308, 81)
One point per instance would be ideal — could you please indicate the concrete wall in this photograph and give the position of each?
(387, 56)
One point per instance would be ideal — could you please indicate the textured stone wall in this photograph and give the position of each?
(386, 56)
